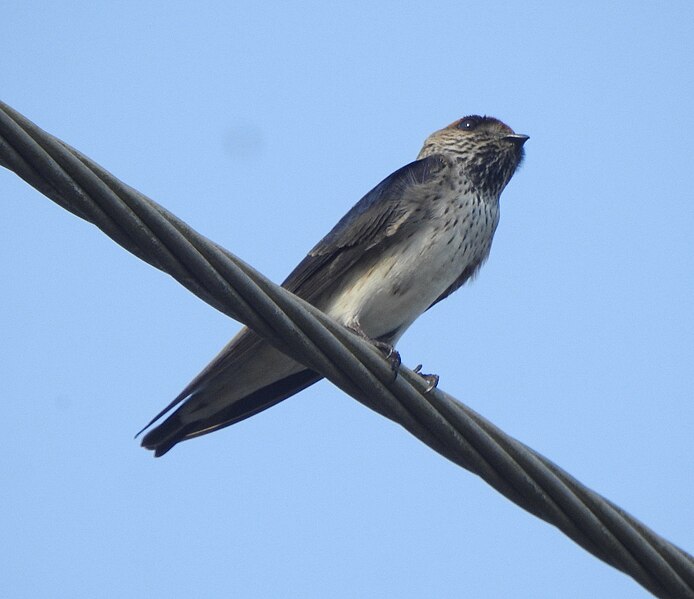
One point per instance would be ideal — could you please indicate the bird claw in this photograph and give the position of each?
(388, 351)
(431, 379)
(391, 354)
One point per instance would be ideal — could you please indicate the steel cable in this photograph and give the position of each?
(228, 284)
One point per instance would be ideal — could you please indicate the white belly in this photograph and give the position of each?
(409, 277)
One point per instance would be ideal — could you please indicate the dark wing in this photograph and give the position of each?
(174, 430)
(376, 217)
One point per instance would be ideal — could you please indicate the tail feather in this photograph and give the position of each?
(180, 427)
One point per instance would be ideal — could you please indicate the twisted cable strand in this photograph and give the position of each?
(216, 276)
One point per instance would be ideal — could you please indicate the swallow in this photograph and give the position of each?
(414, 239)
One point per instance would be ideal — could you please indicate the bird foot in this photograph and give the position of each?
(388, 351)
(431, 379)
(391, 354)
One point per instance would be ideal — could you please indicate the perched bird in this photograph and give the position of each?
(407, 244)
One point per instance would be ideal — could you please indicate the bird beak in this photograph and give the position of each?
(517, 138)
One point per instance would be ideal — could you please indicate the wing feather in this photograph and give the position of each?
(380, 214)
(376, 217)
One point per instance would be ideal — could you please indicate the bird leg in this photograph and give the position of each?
(391, 354)
(431, 379)
(388, 351)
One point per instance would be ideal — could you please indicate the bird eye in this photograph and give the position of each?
(469, 123)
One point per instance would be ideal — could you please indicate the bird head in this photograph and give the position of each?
(487, 151)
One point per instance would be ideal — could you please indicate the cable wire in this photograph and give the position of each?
(449, 427)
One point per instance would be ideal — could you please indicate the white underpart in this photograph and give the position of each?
(409, 277)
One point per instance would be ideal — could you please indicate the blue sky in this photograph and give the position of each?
(261, 125)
